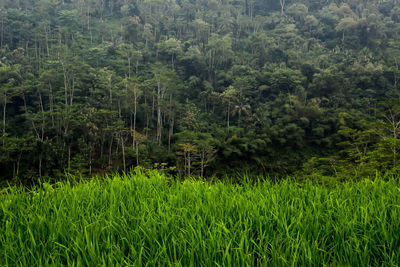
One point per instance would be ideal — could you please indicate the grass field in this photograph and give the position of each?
(140, 220)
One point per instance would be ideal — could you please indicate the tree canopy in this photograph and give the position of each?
(267, 86)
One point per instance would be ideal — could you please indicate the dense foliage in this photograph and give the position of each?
(150, 220)
(205, 86)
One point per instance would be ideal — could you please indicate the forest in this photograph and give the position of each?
(199, 87)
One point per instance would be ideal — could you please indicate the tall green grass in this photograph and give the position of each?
(137, 220)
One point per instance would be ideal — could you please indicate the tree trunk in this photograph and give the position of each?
(147, 115)
(171, 132)
(110, 151)
(153, 106)
(123, 153)
(137, 153)
(129, 67)
(47, 43)
(102, 145)
(229, 111)
(2, 31)
(171, 123)
(159, 118)
(90, 161)
(66, 101)
(282, 2)
(134, 116)
(189, 163)
(110, 91)
(4, 115)
(51, 104)
(18, 161)
(71, 97)
(395, 74)
(43, 118)
(40, 165)
(131, 130)
(202, 163)
(69, 157)
(119, 108)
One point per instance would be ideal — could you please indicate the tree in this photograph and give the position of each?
(346, 25)
(219, 53)
(139, 138)
(173, 48)
(282, 3)
(206, 148)
(189, 152)
(9, 82)
(229, 96)
(164, 80)
(135, 92)
(388, 128)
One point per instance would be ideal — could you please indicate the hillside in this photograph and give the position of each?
(206, 87)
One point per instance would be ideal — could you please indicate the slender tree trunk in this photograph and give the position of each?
(66, 101)
(40, 165)
(43, 117)
(4, 115)
(171, 132)
(110, 91)
(71, 98)
(2, 31)
(229, 111)
(159, 125)
(282, 2)
(185, 161)
(153, 105)
(42, 133)
(137, 153)
(123, 152)
(102, 145)
(159, 118)
(47, 42)
(171, 122)
(131, 130)
(189, 164)
(65, 89)
(110, 151)
(119, 108)
(90, 28)
(134, 116)
(18, 161)
(147, 114)
(69, 157)
(202, 164)
(147, 124)
(51, 104)
(129, 67)
(395, 75)
(395, 136)
(90, 161)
